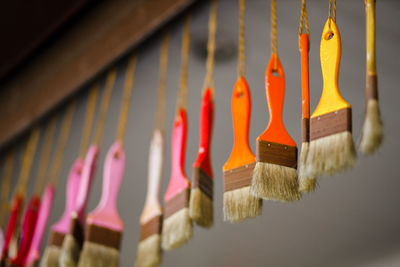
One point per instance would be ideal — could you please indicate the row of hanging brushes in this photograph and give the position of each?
(183, 202)
(327, 143)
(327, 147)
(69, 245)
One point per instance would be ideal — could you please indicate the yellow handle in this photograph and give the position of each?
(370, 15)
(330, 52)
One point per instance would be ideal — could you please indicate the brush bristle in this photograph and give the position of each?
(307, 184)
(239, 204)
(275, 182)
(372, 132)
(177, 229)
(201, 208)
(331, 154)
(70, 252)
(33, 264)
(51, 257)
(149, 252)
(96, 255)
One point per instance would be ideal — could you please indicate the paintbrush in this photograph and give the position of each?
(372, 132)
(27, 230)
(239, 204)
(307, 183)
(103, 225)
(275, 174)
(60, 229)
(177, 225)
(73, 241)
(33, 254)
(9, 250)
(32, 212)
(149, 248)
(201, 196)
(331, 142)
(16, 208)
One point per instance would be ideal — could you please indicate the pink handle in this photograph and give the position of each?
(44, 212)
(178, 180)
(86, 182)
(1, 239)
(106, 213)
(74, 178)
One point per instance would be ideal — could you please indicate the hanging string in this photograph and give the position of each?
(274, 42)
(126, 98)
(182, 94)
(333, 16)
(159, 120)
(104, 106)
(89, 118)
(241, 56)
(303, 19)
(6, 185)
(27, 161)
(212, 30)
(61, 144)
(45, 155)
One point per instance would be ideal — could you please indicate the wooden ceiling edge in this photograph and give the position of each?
(77, 57)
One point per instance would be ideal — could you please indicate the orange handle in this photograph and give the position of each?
(305, 91)
(275, 91)
(241, 109)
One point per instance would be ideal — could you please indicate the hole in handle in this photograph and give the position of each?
(329, 35)
(275, 73)
(239, 94)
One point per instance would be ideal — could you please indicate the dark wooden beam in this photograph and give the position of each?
(101, 37)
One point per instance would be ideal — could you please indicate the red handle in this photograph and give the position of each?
(178, 180)
(12, 223)
(28, 228)
(275, 91)
(305, 91)
(203, 160)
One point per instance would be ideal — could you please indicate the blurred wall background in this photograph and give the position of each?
(351, 220)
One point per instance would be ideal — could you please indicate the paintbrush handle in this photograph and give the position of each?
(43, 216)
(305, 90)
(371, 54)
(155, 167)
(330, 53)
(28, 228)
(203, 160)
(106, 213)
(275, 92)
(86, 181)
(372, 81)
(241, 110)
(113, 175)
(178, 180)
(16, 208)
(74, 177)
